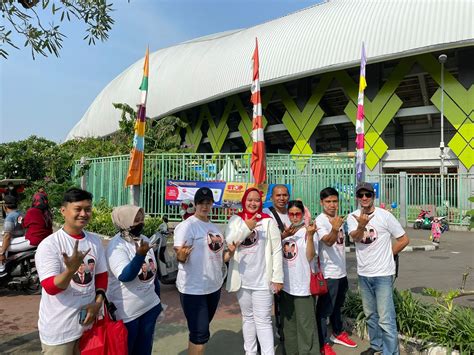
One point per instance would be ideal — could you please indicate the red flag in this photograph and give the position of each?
(258, 163)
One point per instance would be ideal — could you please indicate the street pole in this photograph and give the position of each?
(442, 59)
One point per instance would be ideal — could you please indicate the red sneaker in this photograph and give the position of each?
(327, 350)
(343, 339)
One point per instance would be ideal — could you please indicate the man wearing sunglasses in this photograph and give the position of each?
(376, 267)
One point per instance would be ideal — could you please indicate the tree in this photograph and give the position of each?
(27, 18)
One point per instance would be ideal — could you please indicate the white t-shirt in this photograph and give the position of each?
(59, 314)
(202, 273)
(252, 265)
(296, 267)
(332, 258)
(283, 216)
(374, 251)
(136, 297)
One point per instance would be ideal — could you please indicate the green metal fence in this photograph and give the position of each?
(307, 174)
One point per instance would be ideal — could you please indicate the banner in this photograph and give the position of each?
(226, 194)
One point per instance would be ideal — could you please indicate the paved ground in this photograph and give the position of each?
(440, 269)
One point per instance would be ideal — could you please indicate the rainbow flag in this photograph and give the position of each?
(360, 153)
(135, 169)
(258, 162)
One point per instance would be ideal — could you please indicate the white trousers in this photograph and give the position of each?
(256, 308)
(18, 244)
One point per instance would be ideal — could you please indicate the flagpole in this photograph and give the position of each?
(360, 129)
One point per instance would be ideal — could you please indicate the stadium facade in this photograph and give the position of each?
(309, 70)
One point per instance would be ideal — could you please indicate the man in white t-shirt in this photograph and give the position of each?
(71, 298)
(332, 256)
(376, 267)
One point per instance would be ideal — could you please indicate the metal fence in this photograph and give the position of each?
(307, 174)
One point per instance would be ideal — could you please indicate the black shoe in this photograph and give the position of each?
(370, 351)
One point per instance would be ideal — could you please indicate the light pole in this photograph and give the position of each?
(442, 59)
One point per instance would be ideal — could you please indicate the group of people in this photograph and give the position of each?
(270, 254)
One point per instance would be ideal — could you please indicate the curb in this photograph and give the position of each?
(407, 249)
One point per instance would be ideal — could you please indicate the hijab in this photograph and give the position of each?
(123, 218)
(245, 214)
(40, 201)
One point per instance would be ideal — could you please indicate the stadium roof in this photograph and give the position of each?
(321, 38)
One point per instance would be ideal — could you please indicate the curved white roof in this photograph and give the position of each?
(321, 38)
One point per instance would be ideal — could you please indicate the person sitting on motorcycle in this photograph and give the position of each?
(13, 231)
(38, 220)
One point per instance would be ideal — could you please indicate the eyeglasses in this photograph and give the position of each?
(297, 214)
(366, 194)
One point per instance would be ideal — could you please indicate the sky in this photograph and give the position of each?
(46, 97)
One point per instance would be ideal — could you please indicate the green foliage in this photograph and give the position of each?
(54, 190)
(101, 221)
(151, 225)
(443, 323)
(30, 22)
(470, 215)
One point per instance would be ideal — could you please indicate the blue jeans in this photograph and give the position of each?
(141, 331)
(377, 301)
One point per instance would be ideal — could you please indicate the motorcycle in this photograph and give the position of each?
(20, 272)
(166, 257)
(424, 221)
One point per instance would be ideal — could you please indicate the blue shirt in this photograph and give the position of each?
(13, 224)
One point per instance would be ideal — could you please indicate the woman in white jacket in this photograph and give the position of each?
(255, 272)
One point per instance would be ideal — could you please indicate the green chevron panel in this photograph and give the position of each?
(193, 135)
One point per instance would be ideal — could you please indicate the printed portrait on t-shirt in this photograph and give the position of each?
(250, 241)
(85, 273)
(370, 235)
(340, 237)
(147, 271)
(215, 241)
(290, 251)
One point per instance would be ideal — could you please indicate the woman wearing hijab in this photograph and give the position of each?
(38, 220)
(135, 296)
(256, 271)
(201, 253)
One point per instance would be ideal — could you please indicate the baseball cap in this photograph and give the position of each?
(203, 194)
(365, 186)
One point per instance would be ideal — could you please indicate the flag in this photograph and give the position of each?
(135, 169)
(258, 163)
(360, 153)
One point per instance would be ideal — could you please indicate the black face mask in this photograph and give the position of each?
(137, 230)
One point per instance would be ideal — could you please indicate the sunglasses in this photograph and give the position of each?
(366, 194)
(297, 214)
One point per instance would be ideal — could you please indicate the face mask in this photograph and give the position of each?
(137, 230)
(10, 187)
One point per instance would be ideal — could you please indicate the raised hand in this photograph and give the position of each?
(76, 259)
(289, 231)
(251, 222)
(363, 219)
(142, 247)
(311, 228)
(336, 222)
(182, 254)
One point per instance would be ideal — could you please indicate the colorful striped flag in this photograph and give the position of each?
(258, 163)
(360, 153)
(135, 169)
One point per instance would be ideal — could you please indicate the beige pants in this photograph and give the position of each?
(71, 348)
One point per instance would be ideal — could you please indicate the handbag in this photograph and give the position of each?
(106, 337)
(318, 285)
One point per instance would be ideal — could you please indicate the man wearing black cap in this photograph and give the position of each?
(376, 267)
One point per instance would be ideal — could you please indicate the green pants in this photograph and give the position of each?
(299, 324)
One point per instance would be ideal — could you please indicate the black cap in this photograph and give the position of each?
(365, 186)
(203, 194)
(10, 200)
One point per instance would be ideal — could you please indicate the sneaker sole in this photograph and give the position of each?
(337, 341)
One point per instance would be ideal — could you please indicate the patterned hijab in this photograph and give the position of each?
(40, 201)
(245, 214)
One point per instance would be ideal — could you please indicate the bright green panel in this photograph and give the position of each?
(452, 111)
(218, 133)
(193, 135)
(388, 112)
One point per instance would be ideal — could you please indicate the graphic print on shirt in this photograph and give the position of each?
(370, 235)
(290, 250)
(250, 241)
(148, 270)
(84, 275)
(340, 237)
(215, 241)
